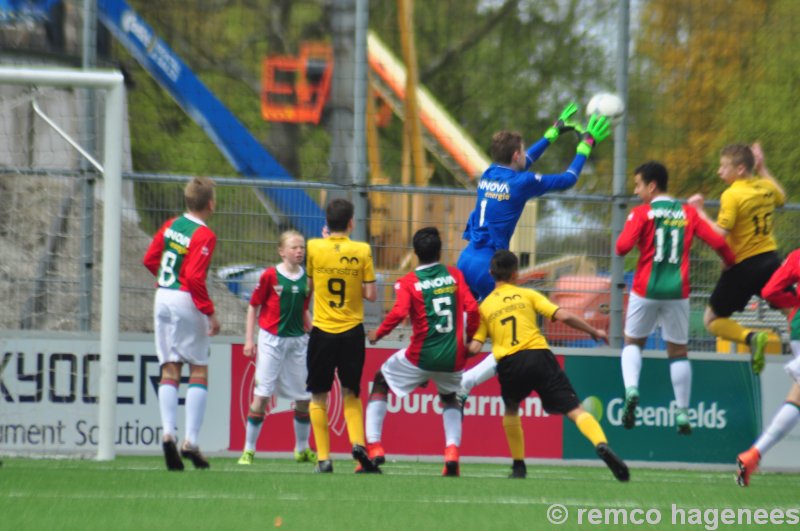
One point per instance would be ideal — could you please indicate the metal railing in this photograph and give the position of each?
(565, 248)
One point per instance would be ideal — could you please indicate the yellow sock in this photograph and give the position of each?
(319, 421)
(354, 417)
(590, 428)
(512, 424)
(728, 329)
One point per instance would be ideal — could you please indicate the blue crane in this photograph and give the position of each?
(244, 152)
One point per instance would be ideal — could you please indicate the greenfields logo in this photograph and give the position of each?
(704, 415)
(594, 406)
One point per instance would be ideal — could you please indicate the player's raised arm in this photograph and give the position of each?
(629, 236)
(760, 169)
(562, 124)
(698, 202)
(780, 290)
(597, 129)
(572, 320)
(705, 231)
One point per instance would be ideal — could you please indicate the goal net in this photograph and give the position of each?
(48, 380)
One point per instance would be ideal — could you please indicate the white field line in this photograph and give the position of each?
(305, 497)
(409, 470)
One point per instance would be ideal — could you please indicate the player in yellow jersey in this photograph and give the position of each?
(746, 216)
(525, 362)
(342, 274)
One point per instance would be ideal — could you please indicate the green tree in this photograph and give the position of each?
(692, 63)
(509, 65)
(767, 96)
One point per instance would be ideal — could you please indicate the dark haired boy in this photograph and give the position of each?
(342, 275)
(663, 230)
(443, 314)
(526, 364)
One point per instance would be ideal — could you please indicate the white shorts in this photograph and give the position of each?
(403, 376)
(795, 346)
(181, 330)
(645, 314)
(281, 366)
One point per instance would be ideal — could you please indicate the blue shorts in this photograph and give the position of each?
(474, 264)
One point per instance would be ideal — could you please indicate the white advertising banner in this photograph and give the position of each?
(49, 396)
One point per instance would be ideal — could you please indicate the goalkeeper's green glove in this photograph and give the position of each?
(597, 130)
(563, 123)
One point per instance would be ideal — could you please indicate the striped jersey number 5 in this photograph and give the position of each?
(166, 276)
(336, 287)
(673, 251)
(513, 320)
(442, 308)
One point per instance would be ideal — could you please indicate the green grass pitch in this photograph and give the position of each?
(138, 493)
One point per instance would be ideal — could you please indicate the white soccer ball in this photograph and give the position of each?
(606, 104)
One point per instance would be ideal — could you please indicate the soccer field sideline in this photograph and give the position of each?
(468, 460)
(531, 461)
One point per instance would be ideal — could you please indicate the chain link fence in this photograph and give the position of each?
(564, 242)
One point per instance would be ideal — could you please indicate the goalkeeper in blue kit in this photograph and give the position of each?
(503, 190)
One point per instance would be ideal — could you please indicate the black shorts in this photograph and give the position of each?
(536, 370)
(343, 352)
(738, 284)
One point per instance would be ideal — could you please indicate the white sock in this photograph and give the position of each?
(782, 423)
(376, 412)
(680, 371)
(168, 405)
(451, 417)
(631, 365)
(251, 434)
(301, 432)
(196, 397)
(479, 373)
(793, 369)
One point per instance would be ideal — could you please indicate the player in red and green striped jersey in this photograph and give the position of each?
(781, 292)
(437, 299)
(179, 256)
(663, 230)
(281, 301)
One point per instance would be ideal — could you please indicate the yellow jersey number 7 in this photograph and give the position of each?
(513, 322)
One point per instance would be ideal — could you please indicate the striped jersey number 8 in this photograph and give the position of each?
(166, 277)
(442, 308)
(673, 251)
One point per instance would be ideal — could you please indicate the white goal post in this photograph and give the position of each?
(112, 83)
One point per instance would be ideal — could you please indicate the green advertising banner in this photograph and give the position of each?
(725, 410)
